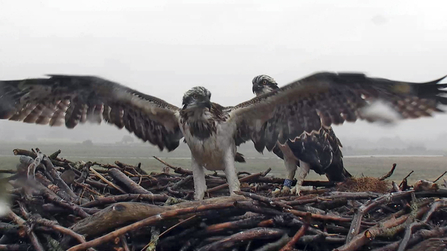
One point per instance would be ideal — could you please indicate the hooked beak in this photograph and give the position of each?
(207, 104)
(198, 105)
(256, 88)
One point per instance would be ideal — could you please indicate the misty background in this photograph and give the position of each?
(164, 48)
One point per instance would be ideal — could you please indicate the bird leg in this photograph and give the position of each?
(198, 174)
(302, 173)
(290, 163)
(230, 173)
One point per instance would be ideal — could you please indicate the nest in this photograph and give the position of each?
(57, 204)
(365, 184)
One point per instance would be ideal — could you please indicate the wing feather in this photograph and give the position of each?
(323, 99)
(72, 100)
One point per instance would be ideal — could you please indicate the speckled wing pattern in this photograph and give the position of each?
(71, 100)
(323, 99)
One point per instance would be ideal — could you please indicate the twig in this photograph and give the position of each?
(57, 179)
(296, 237)
(169, 229)
(389, 173)
(32, 236)
(379, 230)
(244, 179)
(255, 233)
(137, 168)
(176, 225)
(275, 245)
(434, 207)
(33, 166)
(51, 196)
(253, 206)
(417, 237)
(440, 176)
(233, 225)
(124, 242)
(326, 217)
(126, 197)
(357, 220)
(106, 180)
(86, 187)
(55, 226)
(33, 155)
(149, 221)
(127, 182)
(178, 170)
(404, 180)
(55, 154)
(395, 187)
(264, 199)
(409, 230)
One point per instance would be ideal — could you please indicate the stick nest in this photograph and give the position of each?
(57, 204)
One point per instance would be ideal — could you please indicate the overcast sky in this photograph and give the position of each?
(163, 48)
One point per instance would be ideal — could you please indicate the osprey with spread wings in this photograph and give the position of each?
(318, 151)
(211, 131)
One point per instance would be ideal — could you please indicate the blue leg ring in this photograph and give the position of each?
(288, 183)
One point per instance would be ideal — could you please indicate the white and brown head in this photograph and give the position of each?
(197, 98)
(263, 84)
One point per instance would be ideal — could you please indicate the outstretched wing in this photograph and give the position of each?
(326, 98)
(71, 100)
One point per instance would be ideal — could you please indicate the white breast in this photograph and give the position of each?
(210, 153)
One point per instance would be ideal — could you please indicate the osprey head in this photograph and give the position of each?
(197, 97)
(263, 84)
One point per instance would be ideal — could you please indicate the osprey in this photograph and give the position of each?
(211, 131)
(318, 151)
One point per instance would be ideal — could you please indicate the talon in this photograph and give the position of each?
(286, 190)
(296, 190)
(276, 192)
(279, 192)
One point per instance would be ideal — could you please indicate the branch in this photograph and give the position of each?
(126, 197)
(239, 238)
(378, 230)
(57, 179)
(440, 176)
(389, 173)
(32, 236)
(296, 237)
(106, 180)
(178, 170)
(33, 166)
(357, 220)
(244, 179)
(127, 182)
(149, 222)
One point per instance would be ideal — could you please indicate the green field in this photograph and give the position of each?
(424, 167)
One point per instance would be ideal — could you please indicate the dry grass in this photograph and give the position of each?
(364, 184)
